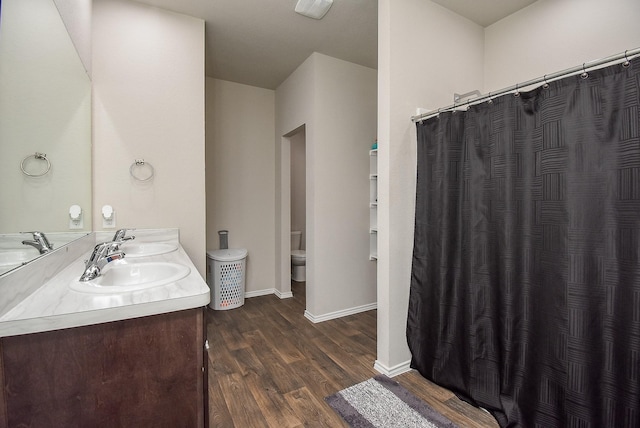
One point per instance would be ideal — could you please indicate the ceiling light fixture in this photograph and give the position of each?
(315, 9)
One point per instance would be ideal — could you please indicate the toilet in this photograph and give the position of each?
(298, 257)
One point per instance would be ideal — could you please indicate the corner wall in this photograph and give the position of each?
(148, 103)
(240, 156)
(425, 54)
(336, 101)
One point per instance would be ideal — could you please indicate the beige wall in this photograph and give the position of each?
(295, 105)
(148, 81)
(45, 107)
(425, 54)
(240, 157)
(553, 35)
(76, 15)
(336, 101)
(456, 55)
(299, 184)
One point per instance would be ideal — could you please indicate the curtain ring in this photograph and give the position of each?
(626, 62)
(584, 74)
(546, 84)
(517, 93)
(490, 101)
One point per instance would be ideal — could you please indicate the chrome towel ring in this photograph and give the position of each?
(137, 170)
(37, 156)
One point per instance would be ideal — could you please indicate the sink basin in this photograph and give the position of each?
(17, 256)
(145, 249)
(123, 277)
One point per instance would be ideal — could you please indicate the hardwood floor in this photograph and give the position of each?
(271, 367)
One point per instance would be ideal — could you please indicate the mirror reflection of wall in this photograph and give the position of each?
(45, 107)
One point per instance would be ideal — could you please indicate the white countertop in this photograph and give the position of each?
(54, 305)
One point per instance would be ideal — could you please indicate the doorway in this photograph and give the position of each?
(295, 210)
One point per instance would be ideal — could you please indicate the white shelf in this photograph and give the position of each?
(373, 204)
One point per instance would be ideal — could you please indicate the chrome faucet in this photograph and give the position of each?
(119, 237)
(40, 242)
(103, 253)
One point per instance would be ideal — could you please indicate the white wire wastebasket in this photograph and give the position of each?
(226, 277)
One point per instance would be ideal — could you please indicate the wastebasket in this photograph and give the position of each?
(226, 277)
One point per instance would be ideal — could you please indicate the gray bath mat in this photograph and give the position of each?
(383, 403)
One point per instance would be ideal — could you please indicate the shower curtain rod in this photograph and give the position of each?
(626, 55)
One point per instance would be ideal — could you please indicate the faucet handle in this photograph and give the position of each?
(100, 251)
(120, 235)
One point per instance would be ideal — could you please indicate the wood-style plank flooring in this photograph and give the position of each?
(271, 367)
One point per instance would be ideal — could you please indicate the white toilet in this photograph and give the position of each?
(298, 258)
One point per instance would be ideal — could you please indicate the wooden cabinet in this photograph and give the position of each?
(143, 372)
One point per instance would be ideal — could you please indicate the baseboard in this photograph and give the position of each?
(257, 293)
(267, 291)
(392, 371)
(285, 295)
(339, 314)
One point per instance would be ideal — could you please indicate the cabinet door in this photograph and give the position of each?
(134, 373)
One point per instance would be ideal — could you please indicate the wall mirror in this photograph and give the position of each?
(45, 128)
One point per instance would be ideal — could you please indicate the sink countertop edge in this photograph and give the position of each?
(55, 306)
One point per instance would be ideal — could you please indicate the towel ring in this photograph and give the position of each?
(37, 156)
(137, 166)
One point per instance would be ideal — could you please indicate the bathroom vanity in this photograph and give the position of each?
(100, 358)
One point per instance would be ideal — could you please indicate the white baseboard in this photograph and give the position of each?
(267, 291)
(285, 295)
(339, 314)
(392, 371)
(249, 294)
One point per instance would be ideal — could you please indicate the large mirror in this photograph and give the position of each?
(45, 126)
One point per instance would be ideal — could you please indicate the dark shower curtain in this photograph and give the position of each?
(525, 286)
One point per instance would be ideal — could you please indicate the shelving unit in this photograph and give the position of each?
(373, 204)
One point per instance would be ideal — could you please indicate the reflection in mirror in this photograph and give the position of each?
(14, 253)
(45, 129)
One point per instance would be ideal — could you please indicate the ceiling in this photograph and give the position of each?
(261, 42)
(484, 12)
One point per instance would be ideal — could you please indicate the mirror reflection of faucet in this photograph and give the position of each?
(40, 242)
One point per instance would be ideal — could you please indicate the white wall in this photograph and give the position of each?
(240, 156)
(336, 101)
(298, 185)
(148, 81)
(425, 54)
(45, 107)
(295, 107)
(553, 35)
(76, 15)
